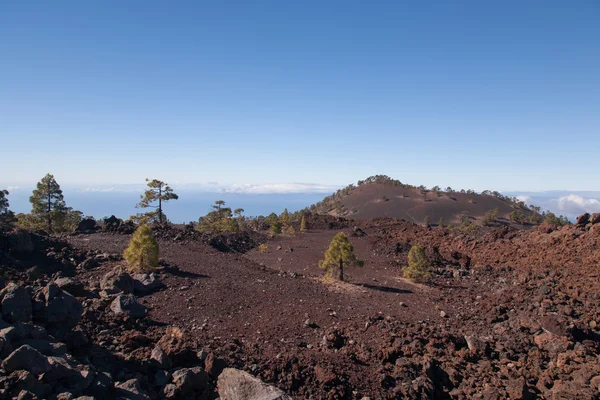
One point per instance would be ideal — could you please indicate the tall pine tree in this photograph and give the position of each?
(158, 191)
(48, 206)
(7, 217)
(340, 254)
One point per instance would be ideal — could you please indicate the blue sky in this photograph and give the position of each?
(471, 94)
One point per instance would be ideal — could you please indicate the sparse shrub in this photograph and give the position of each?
(468, 226)
(219, 220)
(289, 230)
(427, 221)
(517, 216)
(263, 248)
(419, 268)
(441, 222)
(142, 252)
(490, 217)
(339, 254)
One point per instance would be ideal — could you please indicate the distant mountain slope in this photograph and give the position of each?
(381, 196)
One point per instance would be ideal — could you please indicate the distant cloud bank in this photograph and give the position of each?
(569, 204)
(280, 188)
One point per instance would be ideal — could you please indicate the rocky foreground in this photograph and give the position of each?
(510, 314)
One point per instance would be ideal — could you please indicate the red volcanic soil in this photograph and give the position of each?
(382, 200)
(509, 314)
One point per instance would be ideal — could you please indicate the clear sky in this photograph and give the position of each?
(502, 95)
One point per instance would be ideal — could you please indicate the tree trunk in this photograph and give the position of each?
(341, 270)
(49, 210)
(160, 219)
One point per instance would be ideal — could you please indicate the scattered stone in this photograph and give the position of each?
(234, 384)
(146, 283)
(127, 304)
(117, 281)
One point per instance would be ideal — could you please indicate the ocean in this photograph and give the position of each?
(190, 206)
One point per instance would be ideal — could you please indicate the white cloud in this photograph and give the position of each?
(12, 188)
(525, 199)
(280, 188)
(576, 204)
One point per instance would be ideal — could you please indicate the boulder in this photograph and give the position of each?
(583, 219)
(214, 365)
(190, 380)
(26, 358)
(234, 384)
(88, 224)
(162, 377)
(595, 218)
(130, 389)
(117, 281)
(61, 307)
(19, 241)
(160, 357)
(146, 283)
(45, 347)
(89, 263)
(127, 304)
(169, 391)
(16, 303)
(72, 286)
(28, 382)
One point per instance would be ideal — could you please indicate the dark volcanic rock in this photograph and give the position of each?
(127, 304)
(61, 306)
(117, 281)
(87, 224)
(16, 303)
(583, 219)
(146, 283)
(27, 358)
(131, 390)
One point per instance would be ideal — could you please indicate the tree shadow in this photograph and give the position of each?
(183, 274)
(386, 289)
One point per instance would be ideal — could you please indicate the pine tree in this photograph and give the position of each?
(142, 252)
(47, 204)
(276, 226)
(285, 219)
(7, 217)
(303, 227)
(158, 191)
(418, 268)
(339, 254)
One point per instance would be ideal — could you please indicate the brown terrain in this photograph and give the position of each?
(509, 314)
(384, 200)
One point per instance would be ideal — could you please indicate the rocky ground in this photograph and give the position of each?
(509, 314)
